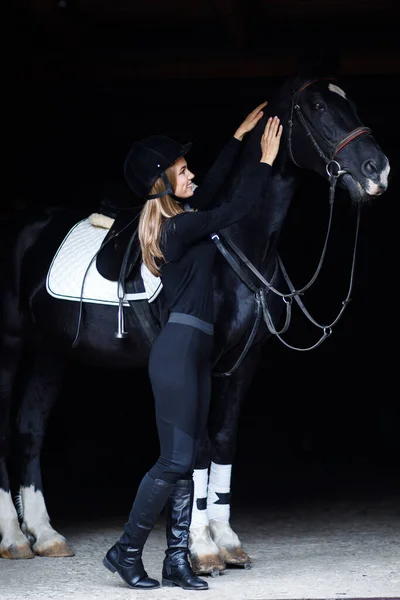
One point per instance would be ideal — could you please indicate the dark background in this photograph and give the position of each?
(90, 77)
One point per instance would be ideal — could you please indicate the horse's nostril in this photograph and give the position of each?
(370, 169)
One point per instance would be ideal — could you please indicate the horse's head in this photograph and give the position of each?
(324, 127)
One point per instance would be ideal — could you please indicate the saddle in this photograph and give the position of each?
(112, 253)
(119, 259)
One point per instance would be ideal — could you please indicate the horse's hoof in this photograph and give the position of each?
(210, 564)
(16, 551)
(53, 549)
(228, 544)
(235, 556)
(205, 558)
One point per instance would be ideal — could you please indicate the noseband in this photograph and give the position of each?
(330, 162)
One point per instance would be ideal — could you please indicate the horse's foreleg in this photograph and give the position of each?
(224, 419)
(13, 543)
(204, 553)
(42, 389)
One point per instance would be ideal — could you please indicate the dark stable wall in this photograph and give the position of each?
(312, 423)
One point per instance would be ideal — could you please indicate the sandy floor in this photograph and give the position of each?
(342, 551)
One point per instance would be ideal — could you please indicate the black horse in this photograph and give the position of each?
(253, 298)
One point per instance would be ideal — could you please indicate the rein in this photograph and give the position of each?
(334, 171)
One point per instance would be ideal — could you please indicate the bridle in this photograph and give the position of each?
(334, 171)
(329, 161)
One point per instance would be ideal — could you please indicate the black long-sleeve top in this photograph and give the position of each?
(186, 243)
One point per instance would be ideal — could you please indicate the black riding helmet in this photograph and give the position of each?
(148, 159)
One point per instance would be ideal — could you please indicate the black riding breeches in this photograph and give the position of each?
(180, 375)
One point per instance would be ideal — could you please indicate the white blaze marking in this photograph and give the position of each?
(372, 187)
(385, 175)
(335, 88)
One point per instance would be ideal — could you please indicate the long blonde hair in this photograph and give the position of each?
(151, 219)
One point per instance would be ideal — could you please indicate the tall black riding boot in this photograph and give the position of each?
(176, 567)
(125, 557)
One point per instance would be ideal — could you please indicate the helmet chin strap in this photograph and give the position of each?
(168, 189)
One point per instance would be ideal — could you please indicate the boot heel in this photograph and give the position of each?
(168, 583)
(108, 565)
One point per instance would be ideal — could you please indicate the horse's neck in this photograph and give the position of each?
(258, 233)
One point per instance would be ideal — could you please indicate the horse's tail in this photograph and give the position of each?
(19, 232)
(11, 253)
(12, 318)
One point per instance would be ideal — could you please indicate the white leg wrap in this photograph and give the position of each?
(199, 512)
(219, 487)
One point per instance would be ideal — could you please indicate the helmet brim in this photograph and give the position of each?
(186, 148)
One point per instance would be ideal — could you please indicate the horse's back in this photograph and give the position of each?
(24, 232)
(28, 241)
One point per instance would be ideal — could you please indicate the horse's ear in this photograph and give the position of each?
(313, 64)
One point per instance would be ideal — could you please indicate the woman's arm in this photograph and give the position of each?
(215, 176)
(218, 173)
(191, 227)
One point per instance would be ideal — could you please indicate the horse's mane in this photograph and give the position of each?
(310, 65)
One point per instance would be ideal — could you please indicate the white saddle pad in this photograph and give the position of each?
(75, 256)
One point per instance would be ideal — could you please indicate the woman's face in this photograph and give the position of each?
(183, 179)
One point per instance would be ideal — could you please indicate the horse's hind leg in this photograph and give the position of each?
(43, 387)
(13, 543)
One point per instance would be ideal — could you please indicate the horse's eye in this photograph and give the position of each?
(318, 106)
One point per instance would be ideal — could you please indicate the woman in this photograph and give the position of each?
(176, 246)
